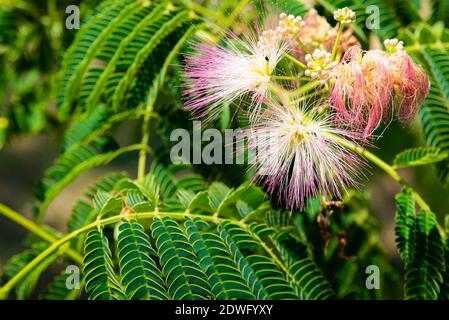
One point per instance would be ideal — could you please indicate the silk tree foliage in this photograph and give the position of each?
(207, 232)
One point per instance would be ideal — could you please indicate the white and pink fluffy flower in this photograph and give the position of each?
(300, 155)
(219, 74)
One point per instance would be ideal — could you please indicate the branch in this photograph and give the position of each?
(37, 230)
(388, 169)
(145, 138)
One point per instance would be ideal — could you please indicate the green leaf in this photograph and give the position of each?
(146, 64)
(81, 129)
(24, 289)
(424, 272)
(273, 280)
(440, 11)
(216, 261)
(57, 289)
(235, 243)
(445, 286)
(106, 203)
(101, 282)
(70, 159)
(105, 23)
(180, 267)
(126, 49)
(236, 240)
(295, 7)
(141, 278)
(136, 201)
(305, 276)
(435, 111)
(242, 238)
(418, 157)
(405, 220)
(164, 180)
(220, 196)
(83, 212)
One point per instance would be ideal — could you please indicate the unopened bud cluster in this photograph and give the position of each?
(344, 15)
(289, 25)
(319, 63)
(393, 45)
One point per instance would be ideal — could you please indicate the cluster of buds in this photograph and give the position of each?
(344, 15)
(319, 63)
(393, 46)
(289, 25)
(316, 32)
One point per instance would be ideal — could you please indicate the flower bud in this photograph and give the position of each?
(344, 15)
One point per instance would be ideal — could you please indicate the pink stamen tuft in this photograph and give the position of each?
(371, 87)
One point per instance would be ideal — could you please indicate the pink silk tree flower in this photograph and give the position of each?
(362, 90)
(218, 74)
(411, 84)
(371, 87)
(297, 154)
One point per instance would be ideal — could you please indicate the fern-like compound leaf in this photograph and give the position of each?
(101, 281)
(405, 220)
(180, 266)
(418, 157)
(141, 278)
(217, 262)
(424, 272)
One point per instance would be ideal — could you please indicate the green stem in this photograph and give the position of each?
(273, 255)
(296, 61)
(306, 88)
(309, 96)
(202, 11)
(337, 40)
(116, 118)
(145, 138)
(37, 230)
(302, 45)
(284, 78)
(242, 4)
(205, 12)
(388, 169)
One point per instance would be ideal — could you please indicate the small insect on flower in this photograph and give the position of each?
(219, 74)
(299, 154)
